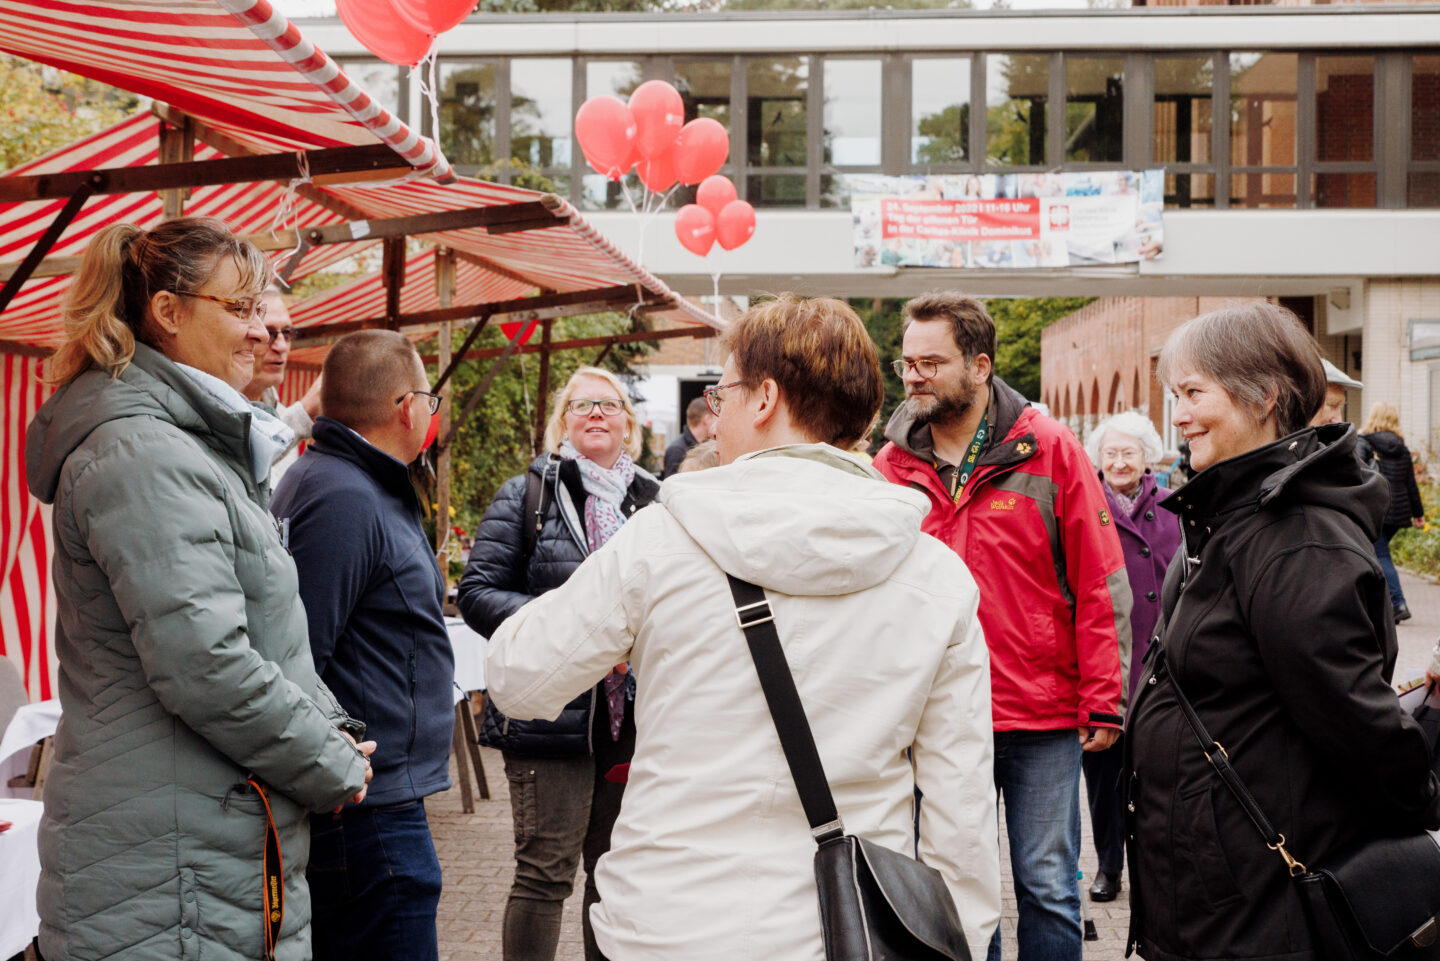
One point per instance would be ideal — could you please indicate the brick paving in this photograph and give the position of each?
(475, 849)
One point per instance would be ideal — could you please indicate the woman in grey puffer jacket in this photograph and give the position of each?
(186, 677)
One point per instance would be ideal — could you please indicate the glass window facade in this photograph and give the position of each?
(939, 111)
(1017, 88)
(1236, 128)
(1094, 109)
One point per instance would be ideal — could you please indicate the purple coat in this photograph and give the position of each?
(1150, 537)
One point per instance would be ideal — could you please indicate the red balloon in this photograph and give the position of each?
(433, 16)
(700, 150)
(379, 26)
(606, 131)
(714, 193)
(735, 225)
(659, 115)
(658, 172)
(695, 228)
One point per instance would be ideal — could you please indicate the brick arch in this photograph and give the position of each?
(1065, 404)
(1136, 395)
(1117, 395)
(1080, 401)
(1095, 396)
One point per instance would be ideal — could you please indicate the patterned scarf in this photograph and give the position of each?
(605, 491)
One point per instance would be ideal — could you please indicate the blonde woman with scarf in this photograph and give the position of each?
(567, 775)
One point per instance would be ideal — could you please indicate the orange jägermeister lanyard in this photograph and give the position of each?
(272, 870)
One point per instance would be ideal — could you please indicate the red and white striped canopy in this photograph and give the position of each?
(237, 65)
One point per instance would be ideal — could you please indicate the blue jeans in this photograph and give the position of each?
(374, 884)
(1037, 773)
(1392, 576)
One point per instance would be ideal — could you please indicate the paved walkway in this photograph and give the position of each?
(475, 849)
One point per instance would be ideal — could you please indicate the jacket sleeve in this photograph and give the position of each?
(1412, 489)
(1095, 571)
(335, 539)
(493, 585)
(954, 769)
(1322, 649)
(295, 418)
(562, 643)
(158, 526)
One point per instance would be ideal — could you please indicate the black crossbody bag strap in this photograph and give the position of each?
(752, 612)
(1219, 759)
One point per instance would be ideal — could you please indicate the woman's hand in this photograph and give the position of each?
(366, 748)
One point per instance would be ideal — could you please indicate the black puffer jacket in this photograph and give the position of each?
(497, 582)
(1392, 458)
(1276, 624)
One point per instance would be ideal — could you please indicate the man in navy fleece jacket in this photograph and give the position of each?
(373, 595)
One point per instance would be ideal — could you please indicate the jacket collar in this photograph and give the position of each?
(337, 440)
(1001, 449)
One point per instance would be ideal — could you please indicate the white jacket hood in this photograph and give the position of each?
(799, 519)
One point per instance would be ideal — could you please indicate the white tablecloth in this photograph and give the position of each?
(30, 724)
(19, 922)
(469, 650)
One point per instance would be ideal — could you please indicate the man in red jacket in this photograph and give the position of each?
(1014, 495)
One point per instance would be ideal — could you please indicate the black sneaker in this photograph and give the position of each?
(1402, 613)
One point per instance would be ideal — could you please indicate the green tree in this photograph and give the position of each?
(46, 109)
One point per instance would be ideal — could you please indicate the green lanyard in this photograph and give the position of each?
(967, 467)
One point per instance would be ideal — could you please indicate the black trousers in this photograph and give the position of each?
(1107, 813)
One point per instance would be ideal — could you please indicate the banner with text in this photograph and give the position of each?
(1008, 220)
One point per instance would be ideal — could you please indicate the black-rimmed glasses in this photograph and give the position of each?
(246, 308)
(713, 398)
(433, 399)
(582, 406)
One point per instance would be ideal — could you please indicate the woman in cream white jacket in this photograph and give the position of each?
(711, 855)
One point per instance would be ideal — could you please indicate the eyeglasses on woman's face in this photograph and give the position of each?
(432, 399)
(247, 308)
(713, 397)
(609, 406)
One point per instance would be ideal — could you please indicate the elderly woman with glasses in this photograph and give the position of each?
(566, 775)
(1120, 447)
(195, 727)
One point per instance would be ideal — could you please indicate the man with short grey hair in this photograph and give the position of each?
(1336, 382)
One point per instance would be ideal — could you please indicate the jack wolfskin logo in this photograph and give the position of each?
(1104, 517)
(1023, 448)
(1001, 504)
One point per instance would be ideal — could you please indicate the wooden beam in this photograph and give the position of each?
(700, 332)
(542, 387)
(177, 145)
(347, 161)
(392, 273)
(605, 298)
(24, 350)
(500, 218)
(43, 245)
(445, 291)
(64, 266)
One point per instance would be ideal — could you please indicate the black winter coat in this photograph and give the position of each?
(1276, 623)
(1392, 459)
(498, 581)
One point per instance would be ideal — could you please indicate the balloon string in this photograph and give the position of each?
(429, 90)
(639, 219)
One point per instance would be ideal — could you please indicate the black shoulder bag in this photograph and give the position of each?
(875, 904)
(1381, 900)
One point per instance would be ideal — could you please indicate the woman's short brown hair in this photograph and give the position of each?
(822, 358)
(1257, 352)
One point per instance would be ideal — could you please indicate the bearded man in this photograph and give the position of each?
(1013, 493)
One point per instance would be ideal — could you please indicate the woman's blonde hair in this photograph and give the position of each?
(107, 307)
(555, 426)
(1383, 416)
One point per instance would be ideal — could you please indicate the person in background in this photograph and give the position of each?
(712, 856)
(194, 721)
(698, 424)
(702, 456)
(1277, 629)
(1332, 410)
(1120, 447)
(1012, 492)
(264, 386)
(373, 594)
(1382, 445)
(538, 529)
